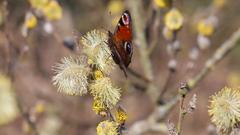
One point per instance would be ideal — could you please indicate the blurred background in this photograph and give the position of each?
(33, 41)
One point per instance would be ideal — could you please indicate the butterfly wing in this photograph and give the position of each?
(122, 38)
(120, 42)
(115, 54)
(123, 31)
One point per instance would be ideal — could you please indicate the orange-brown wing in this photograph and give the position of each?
(123, 31)
(122, 38)
(120, 42)
(118, 56)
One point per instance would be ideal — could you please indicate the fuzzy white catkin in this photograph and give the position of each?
(103, 90)
(96, 49)
(71, 76)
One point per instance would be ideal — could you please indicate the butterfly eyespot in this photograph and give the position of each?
(125, 19)
(128, 47)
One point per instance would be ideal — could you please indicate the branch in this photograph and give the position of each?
(182, 112)
(219, 54)
(140, 39)
(138, 26)
(155, 33)
(161, 111)
(137, 75)
(181, 115)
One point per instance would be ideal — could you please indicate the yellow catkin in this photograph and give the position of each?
(162, 3)
(115, 6)
(98, 74)
(31, 22)
(174, 19)
(107, 128)
(99, 107)
(53, 11)
(121, 115)
(205, 28)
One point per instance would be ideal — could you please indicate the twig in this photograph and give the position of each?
(181, 115)
(166, 84)
(155, 33)
(137, 75)
(182, 91)
(171, 70)
(175, 49)
(110, 116)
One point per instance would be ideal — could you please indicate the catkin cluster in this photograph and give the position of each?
(89, 73)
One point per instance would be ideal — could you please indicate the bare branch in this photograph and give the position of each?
(139, 23)
(161, 111)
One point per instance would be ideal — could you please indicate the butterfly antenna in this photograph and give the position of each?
(125, 73)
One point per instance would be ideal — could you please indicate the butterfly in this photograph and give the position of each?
(120, 42)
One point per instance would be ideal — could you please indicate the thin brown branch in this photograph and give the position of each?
(137, 75)
(171, 69)
(181, 115)
(155, 33)
(182, 91)
(166, 85)
(110, 116)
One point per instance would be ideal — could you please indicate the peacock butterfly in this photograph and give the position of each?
(120, 42)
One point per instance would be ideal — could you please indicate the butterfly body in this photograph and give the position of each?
(120, 42)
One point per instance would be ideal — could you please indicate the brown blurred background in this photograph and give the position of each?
(30, 59)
